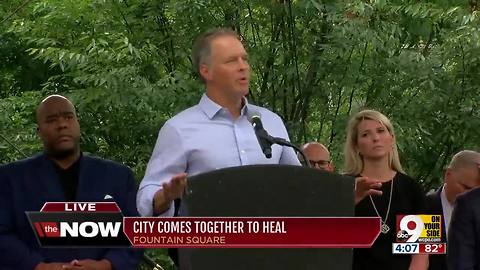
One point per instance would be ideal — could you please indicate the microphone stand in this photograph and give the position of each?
(280, 141)
(151, 263)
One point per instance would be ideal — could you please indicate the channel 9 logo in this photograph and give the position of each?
(419, 228)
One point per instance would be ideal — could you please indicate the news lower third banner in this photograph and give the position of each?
(86, 224)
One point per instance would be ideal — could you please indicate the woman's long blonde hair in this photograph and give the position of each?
(353, 160)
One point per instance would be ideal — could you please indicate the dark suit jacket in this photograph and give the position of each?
(464, 232)
(434, 207)
(27, 184)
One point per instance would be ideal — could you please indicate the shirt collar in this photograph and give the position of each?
(75, 165)
(210, 108)
(443, 196)
(447, 209)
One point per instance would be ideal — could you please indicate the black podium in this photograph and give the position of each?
(267, 190)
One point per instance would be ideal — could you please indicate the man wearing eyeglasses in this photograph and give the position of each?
(461, 175)
(318, 156)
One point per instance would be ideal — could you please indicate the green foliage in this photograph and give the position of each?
(127, 67)
(313, 62)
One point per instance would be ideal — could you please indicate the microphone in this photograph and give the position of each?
(266, 141)
(263, 138)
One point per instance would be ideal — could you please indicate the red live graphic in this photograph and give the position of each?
(80, 207)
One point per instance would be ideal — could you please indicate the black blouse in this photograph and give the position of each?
(407, 198)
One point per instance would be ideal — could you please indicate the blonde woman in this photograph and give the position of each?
(382, 189)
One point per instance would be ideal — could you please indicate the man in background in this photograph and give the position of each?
(318, 156)
(461, 175)
(61, 173)
(464, 234)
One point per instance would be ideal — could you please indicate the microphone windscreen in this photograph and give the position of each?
(251, 114)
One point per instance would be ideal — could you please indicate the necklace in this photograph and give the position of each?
(385, 227)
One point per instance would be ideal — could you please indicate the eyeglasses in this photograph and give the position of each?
(320, 163)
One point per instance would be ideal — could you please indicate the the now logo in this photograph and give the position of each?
(79, 224)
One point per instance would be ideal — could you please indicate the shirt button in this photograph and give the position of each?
(242, 151)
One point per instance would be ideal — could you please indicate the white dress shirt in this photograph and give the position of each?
(205, 137)
(447, 209)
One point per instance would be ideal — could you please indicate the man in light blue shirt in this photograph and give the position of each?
(214, 134)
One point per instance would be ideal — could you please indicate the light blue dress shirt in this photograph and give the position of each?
(205, 137)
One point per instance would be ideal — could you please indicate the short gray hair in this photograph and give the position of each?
(464, 158)
(201, 49)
